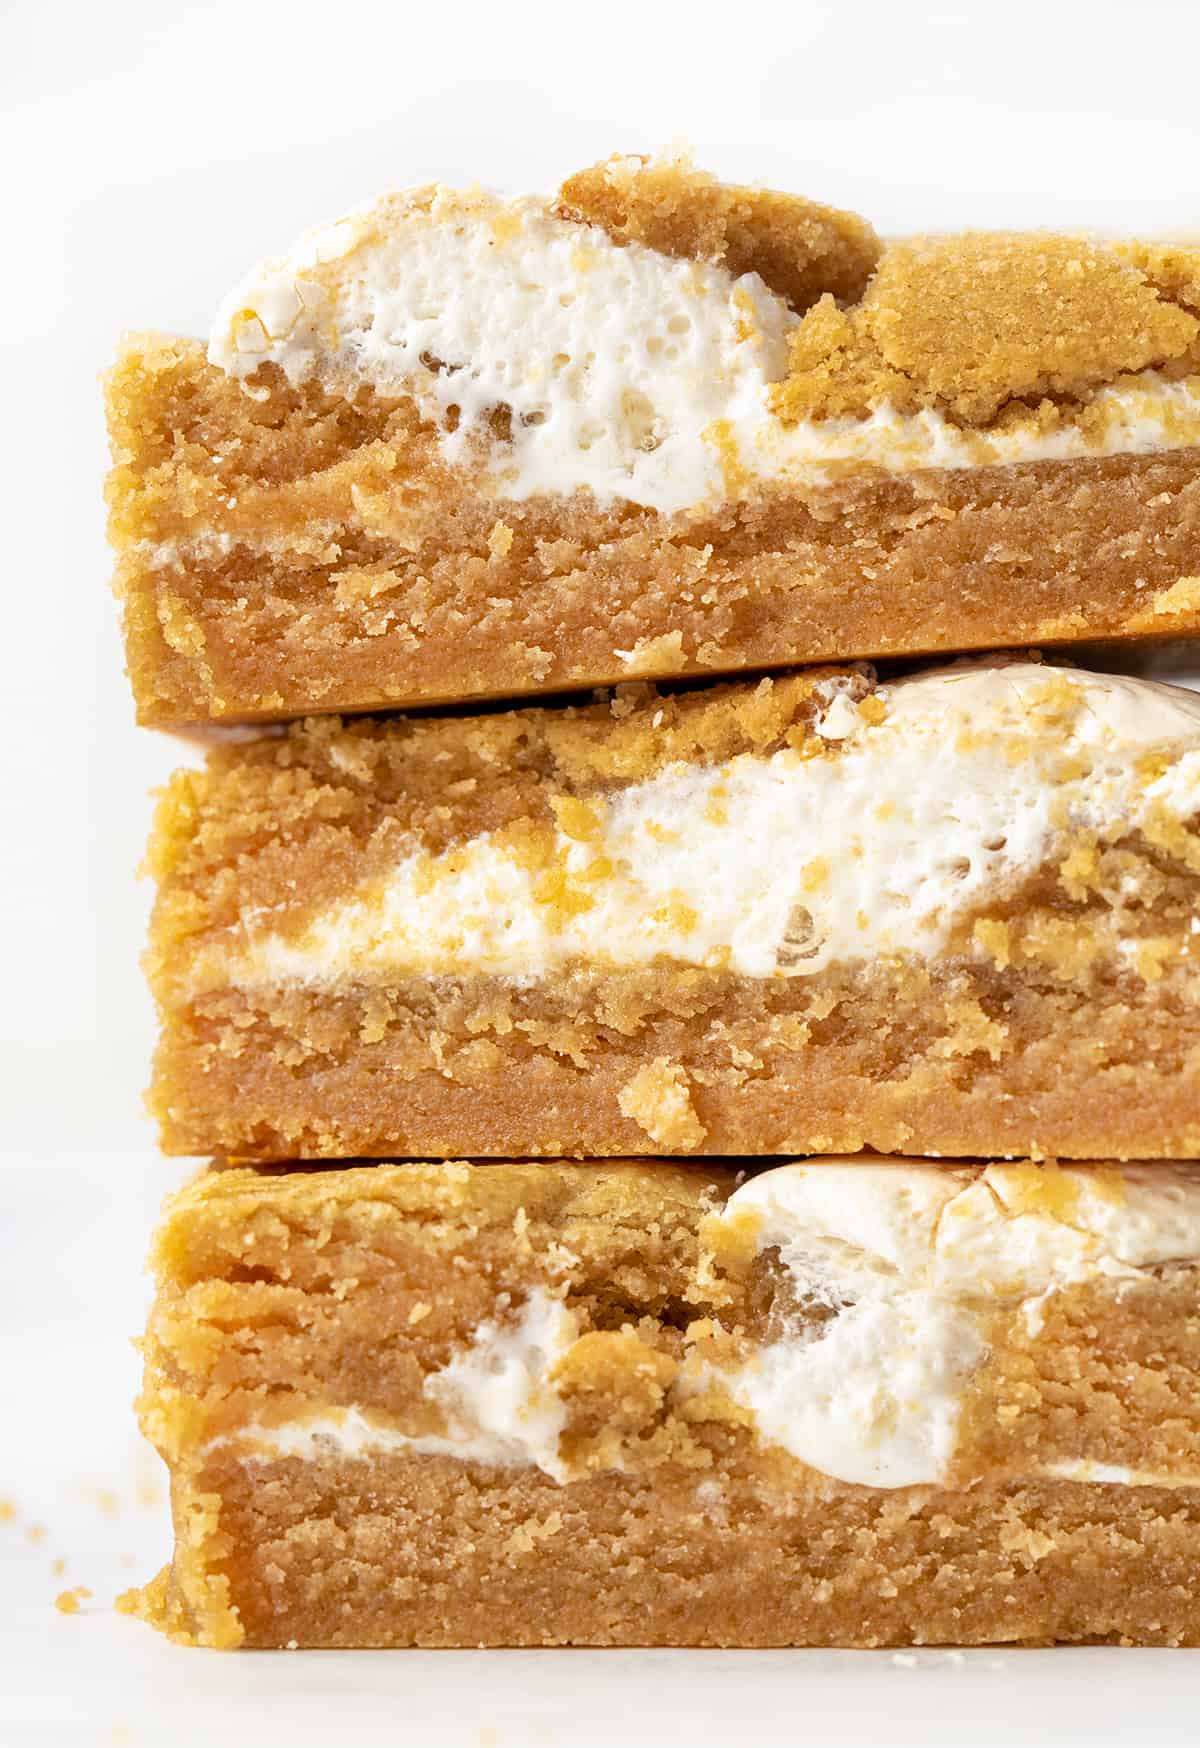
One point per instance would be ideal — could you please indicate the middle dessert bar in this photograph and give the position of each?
(954, 914)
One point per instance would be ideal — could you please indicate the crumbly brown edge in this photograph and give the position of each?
(801, 249)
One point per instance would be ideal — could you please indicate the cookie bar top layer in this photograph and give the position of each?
(871, 1321)
(654, 337)
(612, 362)
(476, 1279)
(884, 818)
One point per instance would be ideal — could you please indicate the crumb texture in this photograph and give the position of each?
(1020, 1564)
(958, 1061)
(975, 324)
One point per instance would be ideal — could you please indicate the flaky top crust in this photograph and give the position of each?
(800, 248)
(979, 327)
(620, 1217)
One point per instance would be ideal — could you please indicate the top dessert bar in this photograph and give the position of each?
(453, 447)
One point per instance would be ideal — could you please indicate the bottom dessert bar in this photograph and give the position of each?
(844, 1402)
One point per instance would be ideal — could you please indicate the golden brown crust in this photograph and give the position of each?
(1172, 268)
(800, 249)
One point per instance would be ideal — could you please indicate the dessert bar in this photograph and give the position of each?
(951, 914)
(846, 1403)
(454, 447)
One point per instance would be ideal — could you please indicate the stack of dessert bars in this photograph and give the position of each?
(699, 1121)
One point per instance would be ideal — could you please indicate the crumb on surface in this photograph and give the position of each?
(68, 1601)
(659, 1100)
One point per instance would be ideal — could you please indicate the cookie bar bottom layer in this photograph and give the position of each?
(392, 1549)
(956, 1058)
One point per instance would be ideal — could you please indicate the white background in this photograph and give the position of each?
(151, 151)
